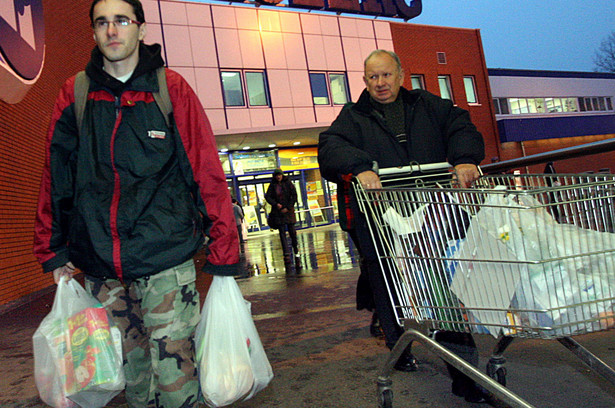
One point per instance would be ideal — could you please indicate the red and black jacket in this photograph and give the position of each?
(130, 197)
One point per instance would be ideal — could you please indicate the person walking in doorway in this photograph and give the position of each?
(282, 196)
(239, 217)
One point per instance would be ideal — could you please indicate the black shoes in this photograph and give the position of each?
(406, 363)
(466, 388)
(374, 328)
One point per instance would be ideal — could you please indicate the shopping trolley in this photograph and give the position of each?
(529, 256)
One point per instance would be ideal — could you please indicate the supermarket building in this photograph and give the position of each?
(269, 78)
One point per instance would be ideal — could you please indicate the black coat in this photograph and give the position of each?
(287, 198)
(437, 131)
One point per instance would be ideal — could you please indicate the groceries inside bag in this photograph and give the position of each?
(77, 351)
(518, 267)
(231, 361)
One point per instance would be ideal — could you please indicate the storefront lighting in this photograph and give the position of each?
(224, 150)
(246, 148)
(272, 145)
(297, 143)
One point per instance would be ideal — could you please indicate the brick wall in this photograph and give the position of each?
(23, 126)
(417, 46)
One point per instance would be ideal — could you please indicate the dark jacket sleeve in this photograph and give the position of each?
(269, 195)
(207, 177)
(339, 149)
(464, 142)
(56, 189)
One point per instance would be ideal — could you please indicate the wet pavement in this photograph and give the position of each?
(319, 345)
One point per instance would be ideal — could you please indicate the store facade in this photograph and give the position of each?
(249, 175)
(269, 78)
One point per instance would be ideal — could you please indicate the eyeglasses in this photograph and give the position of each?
(117, 23)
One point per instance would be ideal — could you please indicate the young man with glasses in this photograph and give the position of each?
(127, 199)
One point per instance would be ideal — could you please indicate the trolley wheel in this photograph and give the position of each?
(386, 399)
(496, 370)
(500, 376)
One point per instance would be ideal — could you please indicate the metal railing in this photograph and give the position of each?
(587, 149)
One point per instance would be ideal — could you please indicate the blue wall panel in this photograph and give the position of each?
(519, 130)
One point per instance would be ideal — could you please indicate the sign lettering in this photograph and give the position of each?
(385, 8)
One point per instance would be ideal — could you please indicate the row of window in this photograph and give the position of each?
(249, 88)
(517, 106)
(444, 83)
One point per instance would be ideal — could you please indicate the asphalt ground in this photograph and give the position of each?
(320, 348)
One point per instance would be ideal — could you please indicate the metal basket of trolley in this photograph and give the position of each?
(529, 256)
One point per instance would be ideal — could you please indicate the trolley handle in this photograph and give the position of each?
(414, 167)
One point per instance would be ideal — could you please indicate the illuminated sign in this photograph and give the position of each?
(22, 47)
(385, 8)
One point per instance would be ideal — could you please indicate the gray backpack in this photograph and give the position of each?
(162, 97)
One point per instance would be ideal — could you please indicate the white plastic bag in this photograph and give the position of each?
(77, 351)
(231, 360)
(535, 263)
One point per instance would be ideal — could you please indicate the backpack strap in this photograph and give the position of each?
(82, 85)
(162, 97)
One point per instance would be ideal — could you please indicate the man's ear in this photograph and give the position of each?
(142, 31)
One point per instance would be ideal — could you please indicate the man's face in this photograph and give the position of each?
(117, 43)
(382, 78)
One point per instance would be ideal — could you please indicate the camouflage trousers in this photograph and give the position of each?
(157, 316)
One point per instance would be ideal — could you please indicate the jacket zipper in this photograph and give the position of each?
(115, 201)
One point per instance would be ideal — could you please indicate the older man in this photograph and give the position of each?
(390, 126)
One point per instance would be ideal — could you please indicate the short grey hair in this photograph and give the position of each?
(389, 53)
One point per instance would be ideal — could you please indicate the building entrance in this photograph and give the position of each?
(315, 198)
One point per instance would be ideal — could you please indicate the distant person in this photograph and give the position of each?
(390, 126)
(282, 196)
(127, 200)
(239, 218)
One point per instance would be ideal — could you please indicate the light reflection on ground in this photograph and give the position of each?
(323, 248)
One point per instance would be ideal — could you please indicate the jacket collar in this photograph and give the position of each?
(149, 60)
(364, 105)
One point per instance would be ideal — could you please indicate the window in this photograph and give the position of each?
(571, 105)
(553, 105)
(231, 85)
(468, 83)
(504, 106)
(441, 56)
(501, 106)
(417, 81)
(253, 82)
(588, 104)
(257, 91)
(582, 104)
(518, 105)
(325, 84)
(445, 87)
(339, 91)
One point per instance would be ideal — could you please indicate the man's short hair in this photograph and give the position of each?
(389, 53)
(137, 8)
